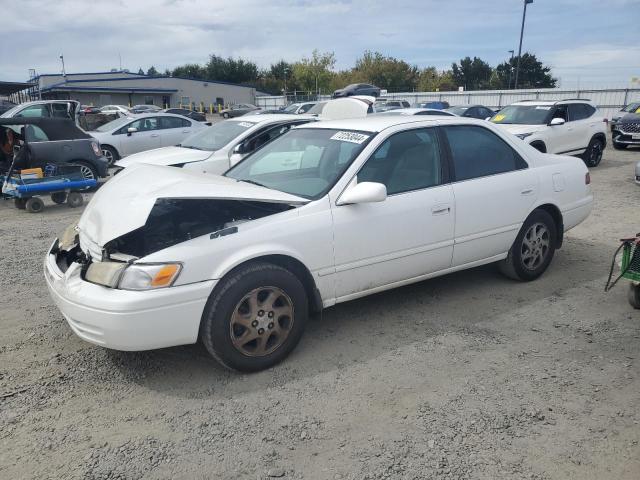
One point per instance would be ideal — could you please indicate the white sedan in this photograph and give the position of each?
(328, 212)
(127, 135)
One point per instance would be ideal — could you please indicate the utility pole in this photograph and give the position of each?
(64, 74)
(524, 14)
(510, 69)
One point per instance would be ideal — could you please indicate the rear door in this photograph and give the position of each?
(585, 123)
(173, 130)
(494, 190)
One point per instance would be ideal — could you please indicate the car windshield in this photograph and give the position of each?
(217, 136)
(305, 162)
(457, 110)
(317, 108)
(114, 124)
(632, 107)
(523, 114)
(292, 108)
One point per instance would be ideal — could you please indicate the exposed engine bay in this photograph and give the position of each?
(173, 221)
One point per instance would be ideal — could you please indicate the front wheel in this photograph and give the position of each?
(256, 318)
(533, 248)
(593, 154)
(225, 115)
(111, 154)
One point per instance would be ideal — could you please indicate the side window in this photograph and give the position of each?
(33, 133)
(185, 122)
(34, 111)
(406, 161)
(60, 110)
(561, 112)
(265, 136)
(170, 122)
(580, 111)
(478, 152)
(305, 108)
(144, 124)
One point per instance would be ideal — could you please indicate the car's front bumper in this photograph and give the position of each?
(625, 138)
(122, 319)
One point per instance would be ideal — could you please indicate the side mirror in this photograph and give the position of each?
(240, 149)
(235, 159)
(131, 130)
(557, 121)
(365, 192)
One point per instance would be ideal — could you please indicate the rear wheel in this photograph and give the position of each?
(75, 199)
(34, 205)
(593, 154)
(533, 248)
(59, 197)
(634, 295)
(256, 318)
(87, 171)
(225, 115)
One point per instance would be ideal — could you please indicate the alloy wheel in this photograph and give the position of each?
(108, 155)
(595, 155)
(87, 172)
(535, 246)
(261, 321)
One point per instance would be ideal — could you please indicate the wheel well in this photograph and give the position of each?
(539, 145)
(299, 270)
(601, 136)
(557, 218)
(111, 147)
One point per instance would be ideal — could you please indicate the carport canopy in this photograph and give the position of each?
(9, 88)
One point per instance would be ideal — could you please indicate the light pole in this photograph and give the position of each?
(524, 14)
(64, 74)
(510, 69)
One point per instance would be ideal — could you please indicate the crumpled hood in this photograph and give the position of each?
(519, 129)
(124, 203)
(165, 156)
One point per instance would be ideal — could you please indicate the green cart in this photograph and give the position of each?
(629, 268)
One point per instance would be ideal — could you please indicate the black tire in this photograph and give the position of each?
(619, 146)
(59, 197)
(88, 171)
(515, 265)
(110, 153)
(634, 295)
(592, 156)
(540, 146)
(217, 327)
(20, 203)
(225, 115)
(75, 199)
(34, 205)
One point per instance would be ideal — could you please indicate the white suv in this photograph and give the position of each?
(571, 127)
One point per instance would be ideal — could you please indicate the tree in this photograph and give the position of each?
(472, 74)
(315, 73)
(152, 71)
(140, 71)
(190, 70)
(231, 70)
(533, 74)
(431, 80)
(385, 72)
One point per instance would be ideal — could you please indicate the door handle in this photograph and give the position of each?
(440, 209)
(527, 191)
(153, 135)
(185, 131)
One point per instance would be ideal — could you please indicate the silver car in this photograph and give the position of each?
(127, 135)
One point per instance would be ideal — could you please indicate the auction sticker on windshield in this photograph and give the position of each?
(498, 118)
(245, 124)
(352, 137)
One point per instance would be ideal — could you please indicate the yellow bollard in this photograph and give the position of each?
(211, 108)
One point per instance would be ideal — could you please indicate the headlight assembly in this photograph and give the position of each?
(140, 276)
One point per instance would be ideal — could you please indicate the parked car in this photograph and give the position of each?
(437, 105)
(633, 107)
(238, 110)
(145, 109)
(45, 109)
(383, 105)
(89, 109)
(637, 175)
(53, 141)
(127, 135)
(472, 111)
(571, 127)
(357, 89)
(626, 131)
(6, 105)
(240, 261)
(197, 116)
(115, 110)
(212, 149)
(417, 111)
(298, 108)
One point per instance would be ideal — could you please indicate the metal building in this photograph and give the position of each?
(125, 88)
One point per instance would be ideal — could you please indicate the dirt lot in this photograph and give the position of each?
(469, 376)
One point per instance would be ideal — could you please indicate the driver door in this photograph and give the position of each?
(146, 138)
(408, 235)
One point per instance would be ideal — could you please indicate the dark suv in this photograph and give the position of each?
(357, 89)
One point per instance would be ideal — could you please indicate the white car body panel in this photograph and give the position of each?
(350, 250)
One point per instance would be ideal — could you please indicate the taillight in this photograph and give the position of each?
(587, 178)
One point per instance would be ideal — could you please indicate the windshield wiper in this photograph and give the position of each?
(253, 182)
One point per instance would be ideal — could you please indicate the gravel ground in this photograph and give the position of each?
(468, 376)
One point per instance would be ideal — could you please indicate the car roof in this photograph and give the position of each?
(414, 111)
(554, 102)
(375, 123)
(271, 117)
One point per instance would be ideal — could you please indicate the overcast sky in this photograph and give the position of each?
(590, 41)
